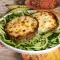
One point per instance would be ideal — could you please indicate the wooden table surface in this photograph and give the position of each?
(5, 53)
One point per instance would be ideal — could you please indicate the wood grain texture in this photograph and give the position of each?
(56, 10)
(3, 8)
(6, 54)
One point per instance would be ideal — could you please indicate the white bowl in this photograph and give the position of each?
(25, 51)
(29, 52)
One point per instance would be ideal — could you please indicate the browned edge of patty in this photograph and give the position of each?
(52, 14)
(28, 36)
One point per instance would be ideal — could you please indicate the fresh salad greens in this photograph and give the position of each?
(38, 42)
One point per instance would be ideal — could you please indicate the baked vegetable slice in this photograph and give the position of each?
(23, 26)
(47, 21)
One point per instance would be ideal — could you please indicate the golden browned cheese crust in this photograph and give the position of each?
(21, 27)
(47, 21)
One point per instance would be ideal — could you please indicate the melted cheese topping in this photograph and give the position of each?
(46, 21)
(21, 26)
